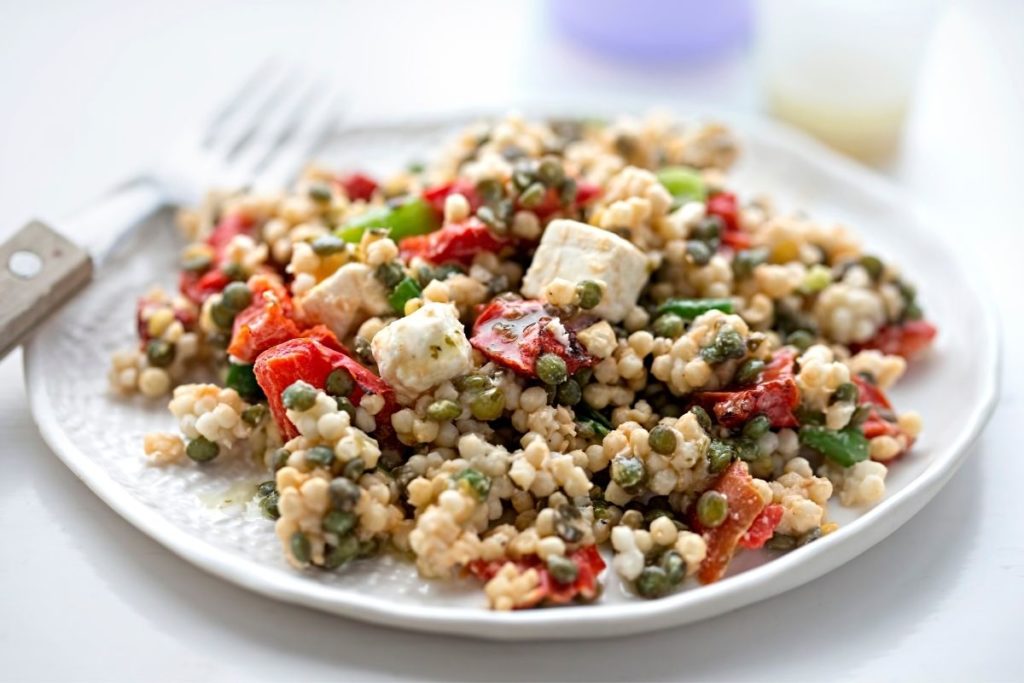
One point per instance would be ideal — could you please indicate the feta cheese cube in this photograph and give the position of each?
(576, 251)
(423, 349)
(346, 299)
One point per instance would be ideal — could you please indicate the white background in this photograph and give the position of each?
(91, 92)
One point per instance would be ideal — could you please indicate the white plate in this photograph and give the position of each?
(184, 508)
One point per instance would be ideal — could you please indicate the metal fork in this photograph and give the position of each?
(260, 138)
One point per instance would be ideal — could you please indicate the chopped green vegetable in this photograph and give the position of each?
(845, 447)
(688, 309)
(683, 183)
(473, 482)
(414, 217)
(242, 379)
(627, 472)
(404, 291)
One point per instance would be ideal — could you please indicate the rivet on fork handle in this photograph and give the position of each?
(39, 270)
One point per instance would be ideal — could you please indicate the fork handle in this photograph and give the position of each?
(39, 270)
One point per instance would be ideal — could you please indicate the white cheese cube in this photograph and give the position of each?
(576, 251)
(423, 349)
(346, 299)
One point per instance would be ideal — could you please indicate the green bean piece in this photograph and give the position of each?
(487, 405)
(668, 325)
(339, 382)
(662, 440)
(340, 523)
(563, 570)
(300, 547)
(688, 309)
(653, 582)
(242, 379)
(551, 369)
(344, 494)
(628, 472)
(320, 455)
(413, 217)
(443, 410)
(712, 509)
(683, 183)
(299, 396)
(202, 449)
(589, 294)
(845, 447)
(160, 353)
(236, 296)
(404, 291)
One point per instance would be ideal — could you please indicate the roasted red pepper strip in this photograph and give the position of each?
(454, 243)
(279, 367)
(589, 565)
(725, 206)
(745, 504)
(267, 321)
(876, 424)
(775, 394)
(357, 186)
(199, 287)
(907, 339)
(763, 527)
(226, 230)
(516, 333)
(436, 196)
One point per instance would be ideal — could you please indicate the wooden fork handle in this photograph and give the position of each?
(40, 269)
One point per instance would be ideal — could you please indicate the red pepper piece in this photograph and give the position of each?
(907, 339)
(322, 334)
(876, 424)
(357, 186)
(436, 196)
(775, 394)
(589, 565)
(267, 321)
(200, 287)
(763, 527)
(308, 360)
(745, 504)
(455, 242)
(515, 334)
(725, 206)
(227, 229)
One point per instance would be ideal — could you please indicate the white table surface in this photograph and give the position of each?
(92, 91)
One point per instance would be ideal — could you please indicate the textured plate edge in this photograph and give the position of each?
(773, 578)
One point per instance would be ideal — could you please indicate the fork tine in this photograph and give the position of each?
(266, 71)
(240, 126)
(285, 159)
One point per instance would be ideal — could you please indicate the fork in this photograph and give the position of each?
(260, 138)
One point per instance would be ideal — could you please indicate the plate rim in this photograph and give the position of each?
(751, 586)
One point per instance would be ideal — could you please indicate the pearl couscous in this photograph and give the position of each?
(558, 338)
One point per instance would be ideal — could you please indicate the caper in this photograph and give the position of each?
(489, 190)
(265, 489)
(846, 392)
(703, 419)
(488, 404)
(745, 261)
(345, 404)
(749, 371)
(300, 547)
(320, 192)
(662, 440)
(668, 325)
(354, 469)
(563, 570)
(299, 396)
(254, 414)
(627, 472)
(327, 245)
(532, 196)
(346, 551)
(674, 566)
(160, 353)
(757, 427)
(699, 253)
(550, 172)
(475, 483)
(344, 493)
(339, 382)
(202, 449)
(712, 509)
(279, 458)
(197, 264)
(589, 294)
(873, 265)
(551, 369)
(653, 582)
(569, 393)
(472, 382)
(236, 296)
(268, 506)
(568, 191)
(801, 339)
(390, 274)
(443, 410)
(708, 228)
(222, 316)
(339, 522)
(320, 455)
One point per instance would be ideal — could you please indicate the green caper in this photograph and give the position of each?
(443, 410)
(674, 566)
(344, 494)
(279, 458)
(473, 482)
(757, 427)
(720, 454)
(708, 228)
(300, 547)
(745, 261)
(390, 274)
(801, 339)
(340, 523)
(197, 264)
(472, 382)
(265, 489)
(532, 196)
(846, 392)
(222, 316)
(160, 353)
(488, 404)
(746, 449)
(699, 253)
(343, 553)
(550, 172)
(780, 542)
(627, 472)
(728, 345)
(326, 245)
(712, 509)
(662, 440)
(749, 370)
(202, 449)
(589, 294)
(354, 469)
(551, 369)
(703, 419)
(490, 218)
(320, 455)
(860, 415)
(234, 271)
(668, 325)
(762, 466)
(339, 382)
(299, 396)
(873, 265)
(254, 414)
(653, 582)
(320, 192)
(268, 506)
(345, 404)
(563, 570)
(489, 190)
(236, 296)
(569, 393)
(809, 537)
